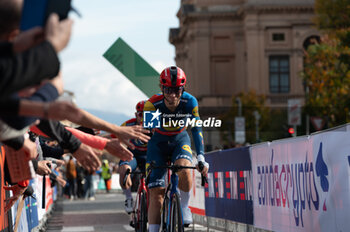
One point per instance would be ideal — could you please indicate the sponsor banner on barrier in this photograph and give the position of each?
(32, 212)
(277, 184)
(228, 194)
(331, 152)
(197, 199)
(38, 195)
(31, 206)
(49, 193)
(295, 188)
(38, 191)
(22, 223)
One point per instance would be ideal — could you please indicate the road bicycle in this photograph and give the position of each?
(139, 213)
(171, 218)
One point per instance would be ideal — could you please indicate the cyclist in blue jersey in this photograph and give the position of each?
(172, 142)
(139, 159)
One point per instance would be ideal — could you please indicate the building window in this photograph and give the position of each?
(278, 37)
(279, 74)
(311, 40)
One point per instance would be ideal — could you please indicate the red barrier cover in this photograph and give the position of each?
(4, 218)
(18, 164)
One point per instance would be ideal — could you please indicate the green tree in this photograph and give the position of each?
(250, 102)
(327, 64)
(332, 14)
(327, 75)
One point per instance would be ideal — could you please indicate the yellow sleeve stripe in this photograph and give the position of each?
(149, 106)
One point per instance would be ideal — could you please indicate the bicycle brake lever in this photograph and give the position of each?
(204, 178)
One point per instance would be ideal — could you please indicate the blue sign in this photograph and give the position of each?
(31, 207)
(229, 192)
(151, 119)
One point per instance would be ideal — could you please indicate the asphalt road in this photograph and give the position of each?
(105, 214)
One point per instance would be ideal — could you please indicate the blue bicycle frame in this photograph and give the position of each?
(172, 192)
(174, 181)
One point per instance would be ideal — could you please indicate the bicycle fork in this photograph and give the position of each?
(173, 190)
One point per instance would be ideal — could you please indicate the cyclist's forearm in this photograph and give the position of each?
(198, 139)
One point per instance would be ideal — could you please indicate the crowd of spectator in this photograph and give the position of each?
(30, 84)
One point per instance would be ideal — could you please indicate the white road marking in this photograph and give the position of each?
(128, 228)
(77, 229)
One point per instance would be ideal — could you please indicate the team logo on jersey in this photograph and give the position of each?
(151, 119)
(187, 148)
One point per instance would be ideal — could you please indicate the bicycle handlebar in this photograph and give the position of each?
(176, 168)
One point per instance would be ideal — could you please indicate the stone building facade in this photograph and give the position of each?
(232, 46)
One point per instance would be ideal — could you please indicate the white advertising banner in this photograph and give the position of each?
(38, 191)
(197, 197)
(302, 184)
(331, 152)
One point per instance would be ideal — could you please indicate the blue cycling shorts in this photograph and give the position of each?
(161, 149)
(139, 160)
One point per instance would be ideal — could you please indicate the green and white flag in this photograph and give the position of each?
(133, 66)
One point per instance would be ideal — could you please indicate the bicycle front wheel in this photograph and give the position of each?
(176, 224)
(164, 214)
(143, 213)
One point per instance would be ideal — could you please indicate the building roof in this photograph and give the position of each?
(279, 2)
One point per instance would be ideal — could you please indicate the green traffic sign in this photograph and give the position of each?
(133, 66)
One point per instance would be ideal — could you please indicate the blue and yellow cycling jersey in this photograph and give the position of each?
(186, 110)
(140, 151)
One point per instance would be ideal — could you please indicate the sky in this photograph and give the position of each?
(143, 24)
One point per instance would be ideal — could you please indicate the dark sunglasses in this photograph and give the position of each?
(170, 90)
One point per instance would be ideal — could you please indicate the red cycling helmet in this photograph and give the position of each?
(173, 77)
(140, 105)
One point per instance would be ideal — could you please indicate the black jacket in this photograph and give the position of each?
(28, 68)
